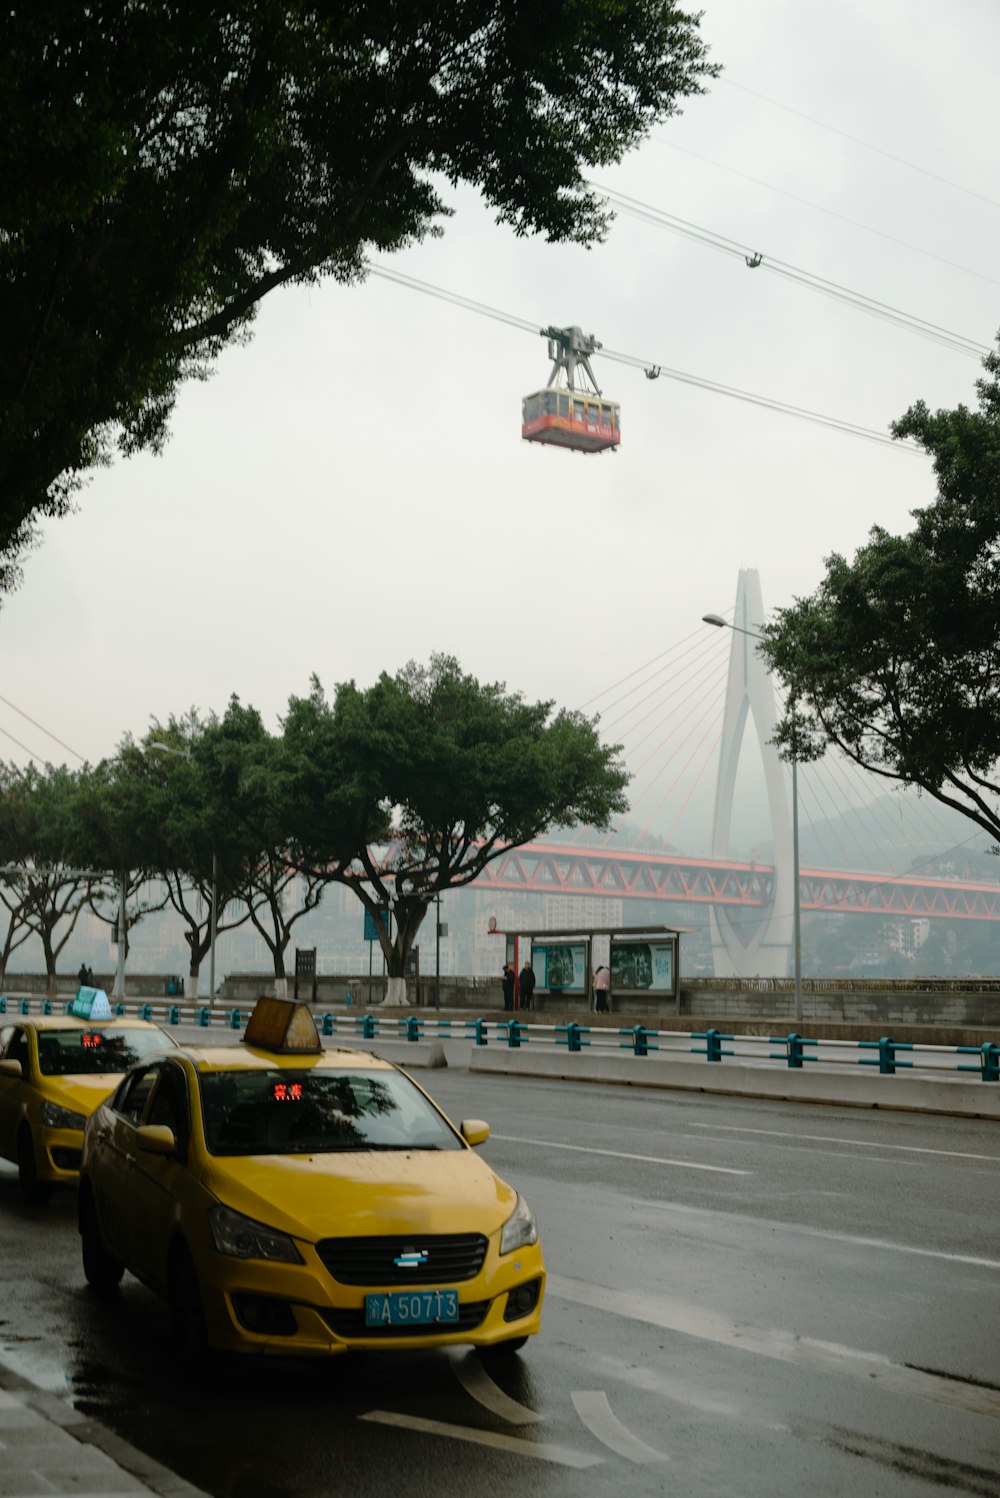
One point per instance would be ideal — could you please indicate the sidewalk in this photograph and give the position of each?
(48, 1448)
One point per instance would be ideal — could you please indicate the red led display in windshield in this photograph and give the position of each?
(287, 1092)
(92, 1041)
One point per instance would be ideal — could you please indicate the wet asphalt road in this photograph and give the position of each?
(744, 1299)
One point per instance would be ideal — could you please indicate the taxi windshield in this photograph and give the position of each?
(314, 1111)
(83, 1053)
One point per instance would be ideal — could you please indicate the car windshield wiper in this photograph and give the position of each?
(411, 1146)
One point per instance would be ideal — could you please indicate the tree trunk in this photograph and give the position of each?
(395, 997)
(50, 965)
(196, 951)
(280, 981)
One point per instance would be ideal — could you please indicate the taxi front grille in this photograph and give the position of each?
(427, 1260)
(351, 1324)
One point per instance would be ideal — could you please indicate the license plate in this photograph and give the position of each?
(412, 1308)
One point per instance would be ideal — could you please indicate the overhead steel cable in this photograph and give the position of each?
(857, 141)
(41, 727)
(660, 219)
(850, 428)
(29, 752)
(784, 408)
(830, 212)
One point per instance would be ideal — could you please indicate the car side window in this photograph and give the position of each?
(169, 1105)
(17, 1048)
(131, 1098)
(6, 1036)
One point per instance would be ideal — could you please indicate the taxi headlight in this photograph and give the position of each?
(242, 1238)
(520, 1229)
(55, 1117)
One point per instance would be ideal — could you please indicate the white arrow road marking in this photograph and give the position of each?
(476, 1381)
(594, 1410)
(774, 1342)
(588, 1149)
(543, 1451)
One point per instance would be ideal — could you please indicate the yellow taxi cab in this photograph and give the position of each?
(54, 1070)
(287, 1199)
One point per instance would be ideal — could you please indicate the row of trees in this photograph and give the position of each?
(400, 791)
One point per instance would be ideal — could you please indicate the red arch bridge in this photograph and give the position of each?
(542, 868)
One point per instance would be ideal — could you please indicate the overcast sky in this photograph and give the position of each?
(350, 490)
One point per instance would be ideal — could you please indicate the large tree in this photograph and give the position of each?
(895, 659)
(428, 775)
(46, 889)
(175, 785)
(164, 164)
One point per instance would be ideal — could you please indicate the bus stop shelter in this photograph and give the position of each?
(644, 960)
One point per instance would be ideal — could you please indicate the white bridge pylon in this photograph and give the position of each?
(752, 944)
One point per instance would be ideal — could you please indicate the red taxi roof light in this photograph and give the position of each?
(282, 1026)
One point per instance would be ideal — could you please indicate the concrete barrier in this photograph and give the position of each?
(966, 1099)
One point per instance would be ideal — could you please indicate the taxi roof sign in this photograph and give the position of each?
(282, 1025)
(90, 1003)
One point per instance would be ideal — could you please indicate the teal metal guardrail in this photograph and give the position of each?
(797, 1050)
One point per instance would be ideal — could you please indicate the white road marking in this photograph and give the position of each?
(543, 1451)
(795, 1229)
(476, 1381)
(594, 1410)
(787, 1347)
(867, 1144)
(588, 1149)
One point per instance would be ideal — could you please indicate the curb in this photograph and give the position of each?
(850, 1090)
(100, 1462)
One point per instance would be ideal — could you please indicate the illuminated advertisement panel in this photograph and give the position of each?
(560, 966)
(646, 965)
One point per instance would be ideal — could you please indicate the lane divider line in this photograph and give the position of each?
(588, 1149)
(864, 1144)
(597, 1415)
(784, 1346)
(542, 1451)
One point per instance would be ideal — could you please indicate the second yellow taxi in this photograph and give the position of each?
(54, 1070)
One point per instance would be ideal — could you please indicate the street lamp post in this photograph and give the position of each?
(186, 754)
(720, 623)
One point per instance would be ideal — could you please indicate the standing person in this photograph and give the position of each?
(602, 989)
(83, 976)
(508, 986)
(527, 984)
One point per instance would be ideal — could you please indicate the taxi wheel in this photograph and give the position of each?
(101, 1269)
(190, 1329)
(34, 1193)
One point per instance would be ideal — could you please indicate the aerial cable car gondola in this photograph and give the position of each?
(570, 410)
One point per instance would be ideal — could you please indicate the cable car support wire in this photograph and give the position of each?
(482, 309)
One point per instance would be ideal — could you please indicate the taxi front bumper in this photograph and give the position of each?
(254, 1306)
(57, 1157)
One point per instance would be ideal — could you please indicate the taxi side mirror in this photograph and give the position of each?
(156, 1139)
(12, 1069)
(475, 1131)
